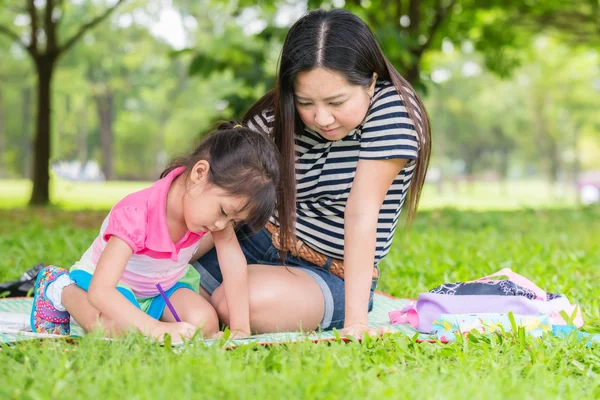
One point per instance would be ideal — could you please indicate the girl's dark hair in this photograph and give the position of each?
(339, 41)
(242, 162)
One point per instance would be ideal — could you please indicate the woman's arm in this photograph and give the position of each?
(371, 183)
(104, 296)
(235, 279)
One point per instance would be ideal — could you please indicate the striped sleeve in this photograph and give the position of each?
(262, 122)
(388, 131)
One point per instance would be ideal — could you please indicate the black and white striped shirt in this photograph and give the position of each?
(325, 171)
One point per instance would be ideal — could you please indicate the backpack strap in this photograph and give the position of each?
(407, 315)
(519, 280)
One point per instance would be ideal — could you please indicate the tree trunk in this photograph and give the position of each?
(546, 144)
(576, 163)
(2, 136)
(82, 144)
(503, 170)
(41, 162)
(413, 74)
(105, 107)
(26, 133)
(470, 158)
(553, 160)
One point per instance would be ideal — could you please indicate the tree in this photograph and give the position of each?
(535, 123)
(563, 102)
(107, 77)
(44, 47)
(409, 29)
(15, 136)
(224, 45)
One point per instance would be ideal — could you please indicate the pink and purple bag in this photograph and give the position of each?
(517, 295)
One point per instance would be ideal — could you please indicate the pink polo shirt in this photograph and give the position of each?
(140, 220)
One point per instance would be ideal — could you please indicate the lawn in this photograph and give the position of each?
(475, 196)
(558, 249)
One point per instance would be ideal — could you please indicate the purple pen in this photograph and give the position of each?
(166, 299)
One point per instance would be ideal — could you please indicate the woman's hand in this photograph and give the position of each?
(234, 335)
(372, 181)
(359, 330)
(239, 334)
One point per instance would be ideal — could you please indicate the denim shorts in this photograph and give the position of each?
(258, 249)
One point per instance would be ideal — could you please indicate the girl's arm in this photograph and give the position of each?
(205, 244)
(104, 296)
(235, 279)
(371, 183)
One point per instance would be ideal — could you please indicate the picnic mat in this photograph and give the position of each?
(14, 324)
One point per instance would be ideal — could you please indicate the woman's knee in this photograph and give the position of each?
(258, 301)
(279, 300)
(262, 301)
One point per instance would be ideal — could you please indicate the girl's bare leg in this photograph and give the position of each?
(194, 309)
(87, 316)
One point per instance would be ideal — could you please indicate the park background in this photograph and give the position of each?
(97, 95)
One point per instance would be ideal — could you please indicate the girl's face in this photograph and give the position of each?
(207, 207)
(328, 104)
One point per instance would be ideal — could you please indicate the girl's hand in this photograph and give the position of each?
(177, 330)
(359, 330)
(235, 280)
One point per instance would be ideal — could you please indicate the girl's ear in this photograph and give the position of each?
(199, 172)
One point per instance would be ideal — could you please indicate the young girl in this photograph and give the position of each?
(149, 237)
(354, 137)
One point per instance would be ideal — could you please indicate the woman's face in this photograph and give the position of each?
(328, 104)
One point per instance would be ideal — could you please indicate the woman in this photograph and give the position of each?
(353, 137)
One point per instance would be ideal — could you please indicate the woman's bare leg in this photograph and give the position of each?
(281, 299)
(204, 293)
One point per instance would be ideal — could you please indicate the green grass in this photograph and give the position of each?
(70, 195)
(476, 196)
(557, 249)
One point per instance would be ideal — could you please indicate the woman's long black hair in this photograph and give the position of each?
(339, 41)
